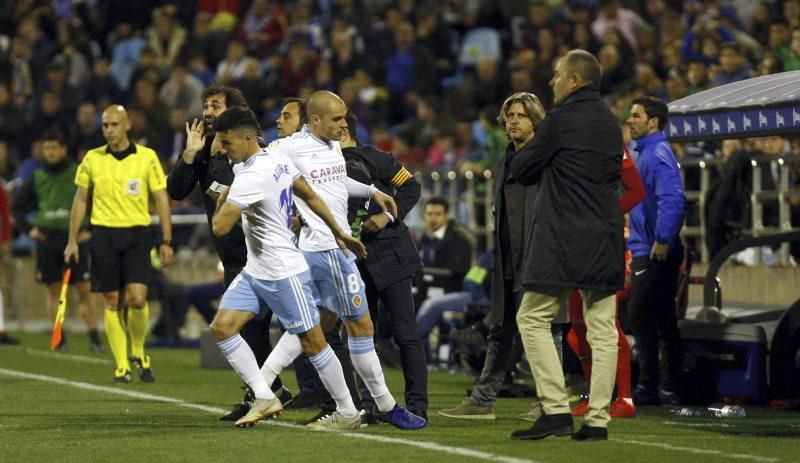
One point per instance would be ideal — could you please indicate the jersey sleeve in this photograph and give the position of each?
(393, 173)
(83, 176)
(246, 189)
(156, 180)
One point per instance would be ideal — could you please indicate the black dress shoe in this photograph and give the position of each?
(559, 424)
(591, 433)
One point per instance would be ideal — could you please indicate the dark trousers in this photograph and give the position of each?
(397, 307)
(256, 333)
(500, 351)
(653, 321)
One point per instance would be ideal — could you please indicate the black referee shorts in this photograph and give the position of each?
(50, 264)
(119, 256)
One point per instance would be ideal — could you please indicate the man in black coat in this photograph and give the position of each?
(213, 172)
(576, 241)
(515, 207)
(391, 261)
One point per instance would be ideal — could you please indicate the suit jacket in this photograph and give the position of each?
(391, 254)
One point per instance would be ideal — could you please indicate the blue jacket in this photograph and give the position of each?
(660, 216)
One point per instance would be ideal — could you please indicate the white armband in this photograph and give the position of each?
(358, 189)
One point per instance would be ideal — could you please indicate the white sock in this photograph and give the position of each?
(330, 372)
(2, 314)
(242, 359)
(283, 354)
(365, 361)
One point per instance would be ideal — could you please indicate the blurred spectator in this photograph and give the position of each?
(616, 70)
(263, 27)
(182, 89)
(298, 68)
(204, 41)
(84, 134)
(446, 251)
(55, 80)
(733, 65)
(125, 54)
(306, 26)
(345, 56)
(442, 152)
(780, 39)
(410, 70)
(198, 66)
(610, 14)
(142, 131)
(770, 63)
(793, 62)
(495, 142)
(8, 163)
(49, 114)
(11, 120)
(147, 100)
(165, 37)
(697, 76)
(261, 94)
(432, 34)
(173, 141)
(233, 65)
(404, 149)
(104, 89)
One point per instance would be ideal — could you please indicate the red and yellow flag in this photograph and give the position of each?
(55, 340)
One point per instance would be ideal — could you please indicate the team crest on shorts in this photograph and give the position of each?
(357, 300)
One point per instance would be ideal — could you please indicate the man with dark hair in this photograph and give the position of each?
(733, 64)
(213, 171)
(391, 261)
(276, 273)
(49, 192)
(657, 255)
(292, 117)
(445, 249)
(576, 241)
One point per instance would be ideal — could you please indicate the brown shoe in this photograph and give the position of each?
(534, 413)
(468, 410)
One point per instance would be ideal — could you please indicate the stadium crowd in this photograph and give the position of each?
(424, 78)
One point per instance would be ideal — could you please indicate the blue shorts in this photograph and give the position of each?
(337, 283)
(290, 299)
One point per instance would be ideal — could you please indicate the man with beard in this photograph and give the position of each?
(198, 164)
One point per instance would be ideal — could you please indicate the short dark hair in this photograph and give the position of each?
(654, 107)
(732, 46)
(233, 96)
(352, 125)
(52, 135)
(438, 201)
(301, 103)
(584, 64)
(237, 118)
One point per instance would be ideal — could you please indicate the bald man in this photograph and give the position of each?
(576, 242)
(121, 176)
(340, 290)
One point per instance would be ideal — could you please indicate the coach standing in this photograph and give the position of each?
(576, 241)
(657, 255)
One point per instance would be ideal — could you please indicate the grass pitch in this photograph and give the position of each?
(63, 407)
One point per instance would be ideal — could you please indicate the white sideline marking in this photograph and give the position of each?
(740, 456)
(63, 356)
(700, 425)
(215, 410)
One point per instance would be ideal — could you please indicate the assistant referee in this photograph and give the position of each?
(121, 175)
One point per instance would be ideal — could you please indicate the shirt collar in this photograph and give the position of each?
(329, 144)
(131, 149)
(651, 139)
(439, 234)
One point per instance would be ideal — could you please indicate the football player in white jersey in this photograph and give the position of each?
(276, 274)
(339, 287)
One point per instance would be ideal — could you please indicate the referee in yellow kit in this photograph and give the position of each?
(122, 175)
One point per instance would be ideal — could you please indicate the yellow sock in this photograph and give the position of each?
(137, 324)
(117, 339)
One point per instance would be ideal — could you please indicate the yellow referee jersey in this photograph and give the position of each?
(120, 187)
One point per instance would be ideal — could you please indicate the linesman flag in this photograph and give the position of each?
(55, 340)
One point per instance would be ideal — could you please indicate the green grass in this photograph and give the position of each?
(44, 421)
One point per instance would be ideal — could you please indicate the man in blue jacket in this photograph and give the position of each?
(657, 255)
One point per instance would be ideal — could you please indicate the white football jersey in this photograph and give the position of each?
(263, 190)
(322, 164)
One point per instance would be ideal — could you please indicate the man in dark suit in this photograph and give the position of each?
(391, 261)
(514, 211)
(213, 172)
(576, 241)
